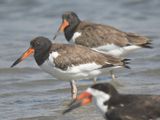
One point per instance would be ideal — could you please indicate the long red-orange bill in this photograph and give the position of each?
(64, 24)
(25, 55)
(81, 100)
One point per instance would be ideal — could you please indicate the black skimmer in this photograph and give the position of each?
(70, 62)
(103, 38)
(116, 106)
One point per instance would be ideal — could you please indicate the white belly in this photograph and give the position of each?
(85, 71)
(116, 50)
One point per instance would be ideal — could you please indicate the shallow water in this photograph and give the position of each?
(27, 93)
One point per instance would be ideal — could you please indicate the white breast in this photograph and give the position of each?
(76, 35)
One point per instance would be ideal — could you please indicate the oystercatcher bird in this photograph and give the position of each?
(116, 106)
(103, 38)
(70, 62)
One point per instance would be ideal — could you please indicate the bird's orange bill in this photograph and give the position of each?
(83, 99)
(64, 24)
(25, 55)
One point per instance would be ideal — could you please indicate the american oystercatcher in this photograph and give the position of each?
(70, 62)
(116, 106)
(103, 38)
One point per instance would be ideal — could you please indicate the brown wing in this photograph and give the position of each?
(95, 35)
(77, 54)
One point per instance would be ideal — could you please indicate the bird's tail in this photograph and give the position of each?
(141, 41)
(126, 62)
(147, 45)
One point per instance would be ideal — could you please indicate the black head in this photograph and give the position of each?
(71, 17)
(106, 88)
(69, 23)
(39, 46)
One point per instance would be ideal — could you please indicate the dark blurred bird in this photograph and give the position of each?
(116, 106)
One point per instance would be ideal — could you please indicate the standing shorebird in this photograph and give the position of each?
(103, 38)
(116, 106)
(70, 62)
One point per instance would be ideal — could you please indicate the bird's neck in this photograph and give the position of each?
(69, 31)
(41, 56)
